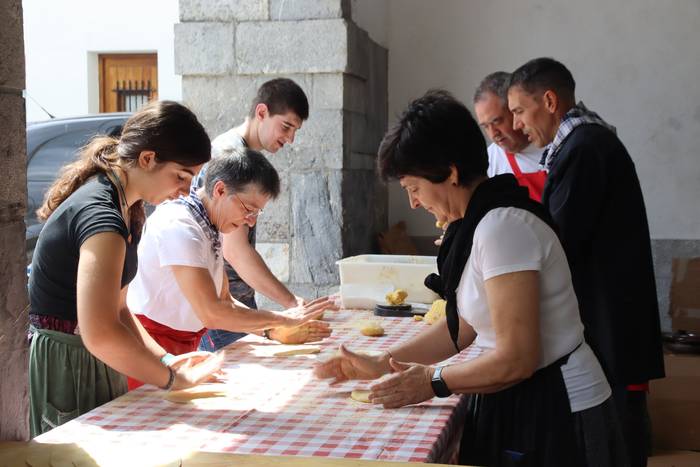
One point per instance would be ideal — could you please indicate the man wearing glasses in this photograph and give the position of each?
(181, 289)
(277, 112)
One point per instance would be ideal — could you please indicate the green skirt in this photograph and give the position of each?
(66, 380)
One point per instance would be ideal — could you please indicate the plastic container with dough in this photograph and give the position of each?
(397, 271)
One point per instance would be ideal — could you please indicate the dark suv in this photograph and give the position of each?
(51, 145)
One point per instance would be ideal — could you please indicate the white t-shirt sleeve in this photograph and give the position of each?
(505, 243)
(181, 242)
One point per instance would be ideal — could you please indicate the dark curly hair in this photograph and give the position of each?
(435, 133)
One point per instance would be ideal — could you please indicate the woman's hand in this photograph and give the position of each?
(350, 365)
(312, 331)
(194, 368)
(410, 384)
(188, 359)
(297, 316)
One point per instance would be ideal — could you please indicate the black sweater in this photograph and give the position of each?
(595, 199)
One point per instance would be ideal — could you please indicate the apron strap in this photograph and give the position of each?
(514, 165)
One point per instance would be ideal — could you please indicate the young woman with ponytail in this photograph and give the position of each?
(84, 338)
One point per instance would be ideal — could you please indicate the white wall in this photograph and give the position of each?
(63, 38)
(636, 62)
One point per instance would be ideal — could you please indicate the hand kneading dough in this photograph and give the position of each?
(372, 330)
(184, 396)
(360, 396)
(309, 349)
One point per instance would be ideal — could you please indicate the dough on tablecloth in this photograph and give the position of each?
(204, 391)
(372, 329)
(307, 350)
(360, 395)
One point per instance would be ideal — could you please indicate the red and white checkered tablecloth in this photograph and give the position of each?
(275, 406)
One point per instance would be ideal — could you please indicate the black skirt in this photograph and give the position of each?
(529, 424)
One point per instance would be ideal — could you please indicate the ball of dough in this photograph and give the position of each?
(372, 329)
(396, 297)
(436, 313)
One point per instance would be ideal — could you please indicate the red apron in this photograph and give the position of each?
(173, 341)
(534, 181)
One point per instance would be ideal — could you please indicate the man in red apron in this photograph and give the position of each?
(510, 151)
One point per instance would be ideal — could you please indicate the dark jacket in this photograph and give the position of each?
(595, 199)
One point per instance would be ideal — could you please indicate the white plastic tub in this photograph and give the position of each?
(386, 272)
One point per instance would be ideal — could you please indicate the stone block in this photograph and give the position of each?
(327, 92)
(317, 46)
(317, 226)
(360, 161)
(276, 256)
(361, 191)
(285, 10)
(250, 10)
(333, 91)
(12, 40)
(13, 158)
(356, 94)
(318, 145)
(224, 10)
(378, 88)
(365, 134)
(220, 102)
(204, 48)
(273, 224)
(358, 50)
(205, 10)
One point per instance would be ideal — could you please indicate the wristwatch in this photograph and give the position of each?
(438, 384)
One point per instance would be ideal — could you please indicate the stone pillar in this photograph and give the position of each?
(332, 204)
(13, 201)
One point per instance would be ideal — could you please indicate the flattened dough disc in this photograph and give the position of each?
(306, 350)
(360, 395)
(204, 391)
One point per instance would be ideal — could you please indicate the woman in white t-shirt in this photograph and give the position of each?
(541, 397)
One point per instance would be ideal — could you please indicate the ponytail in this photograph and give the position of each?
(167, 128)
(99, 155)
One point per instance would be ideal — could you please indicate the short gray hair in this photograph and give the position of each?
(239, 167)
(496, 84)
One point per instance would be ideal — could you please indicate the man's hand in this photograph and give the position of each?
(297, 316)
(312, 331)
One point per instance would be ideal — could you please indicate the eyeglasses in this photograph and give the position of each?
(250, 214)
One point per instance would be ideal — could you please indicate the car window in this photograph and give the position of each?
(56, 153)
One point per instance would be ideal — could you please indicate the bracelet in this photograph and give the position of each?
(266, 334)
(167, 359)
(171, 379)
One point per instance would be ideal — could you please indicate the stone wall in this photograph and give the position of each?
(332, 204)
(13, 198)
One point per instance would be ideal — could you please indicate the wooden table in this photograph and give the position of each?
(274, 406)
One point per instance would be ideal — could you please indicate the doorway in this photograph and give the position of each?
(127, 81)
